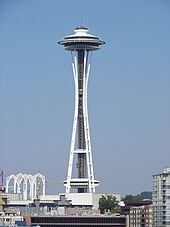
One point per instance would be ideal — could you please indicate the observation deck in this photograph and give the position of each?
(81, 40)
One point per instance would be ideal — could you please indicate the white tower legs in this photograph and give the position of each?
(86, 182)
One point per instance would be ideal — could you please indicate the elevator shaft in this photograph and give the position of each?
(81, 134)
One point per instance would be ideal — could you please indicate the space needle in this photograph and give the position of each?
(81, 45)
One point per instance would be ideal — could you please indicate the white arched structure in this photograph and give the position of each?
(38, 179)
(31, 186)
(8, 179)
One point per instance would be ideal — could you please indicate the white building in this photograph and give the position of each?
(10, 219)
(161, 198)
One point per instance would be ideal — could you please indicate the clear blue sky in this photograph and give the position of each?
(129, 89)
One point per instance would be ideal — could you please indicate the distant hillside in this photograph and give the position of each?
(146, 195)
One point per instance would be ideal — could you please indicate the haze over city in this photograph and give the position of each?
(128, 99)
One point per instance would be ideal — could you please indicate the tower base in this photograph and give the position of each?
(80, 183)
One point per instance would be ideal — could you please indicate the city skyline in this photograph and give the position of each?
(129, 90)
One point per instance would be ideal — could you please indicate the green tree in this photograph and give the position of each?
(109, 203)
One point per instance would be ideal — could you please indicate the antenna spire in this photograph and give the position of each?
(81, 19)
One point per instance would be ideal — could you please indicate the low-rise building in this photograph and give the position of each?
(141, 216)
(10, 217)
(74, 220)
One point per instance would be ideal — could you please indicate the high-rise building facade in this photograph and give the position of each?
(161, 198)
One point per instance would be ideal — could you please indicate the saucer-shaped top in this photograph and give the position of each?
(81, 39)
